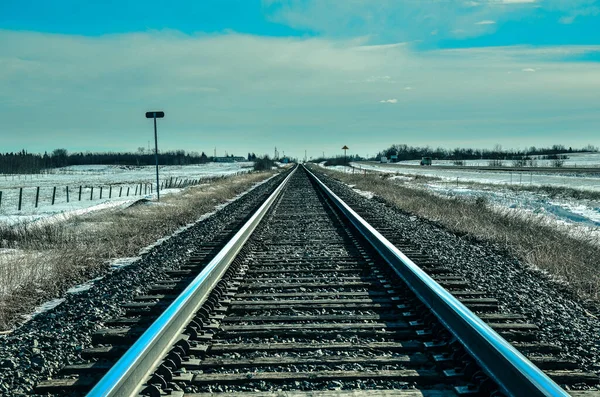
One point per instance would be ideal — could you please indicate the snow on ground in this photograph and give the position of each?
(364, 193)
(494, 187)
(121, 178)
(119, 263)
(340, 168)
(567, 211)
(580, 160)
(567, 180)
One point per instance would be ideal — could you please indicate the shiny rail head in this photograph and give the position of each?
(132, 370)
(512, 371)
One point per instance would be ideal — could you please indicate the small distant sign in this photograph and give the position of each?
(345, 147)
(158, 115)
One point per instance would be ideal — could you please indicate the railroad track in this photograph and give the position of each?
(308, 299)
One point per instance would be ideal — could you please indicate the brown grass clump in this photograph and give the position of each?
(42, 261)
(533, 239)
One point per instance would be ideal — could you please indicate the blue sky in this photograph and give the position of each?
(299, 74)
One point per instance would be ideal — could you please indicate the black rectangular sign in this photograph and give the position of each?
(159, 115)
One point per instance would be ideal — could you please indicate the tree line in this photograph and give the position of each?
(406, 152)
(33, 163)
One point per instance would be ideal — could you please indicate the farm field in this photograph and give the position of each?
(90, 178)
(566, 179)
(62, 250)
(554, 197)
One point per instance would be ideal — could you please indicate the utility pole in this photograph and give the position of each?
(155, 115)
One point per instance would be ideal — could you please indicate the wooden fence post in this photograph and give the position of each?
(37, 196)
(92, 193)
(135, 194)
(79, 192)
(120, 191)
(110, 191)
(67, 194)
(100, 192)
(0, 198)
(20, 197)
(127, 191)
(53, 194)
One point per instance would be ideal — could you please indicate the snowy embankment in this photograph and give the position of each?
(124, 179)
(496, 189)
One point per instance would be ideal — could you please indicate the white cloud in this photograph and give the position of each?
(410, 20)
(528, 70)
(567, 20)
(380, 79)
(61, 90)
(526, 52)
(591, 10)
(486, 22)
(513, 1)
(407, 88)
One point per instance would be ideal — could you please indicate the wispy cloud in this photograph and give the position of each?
(410, 20)
(513, 1)
(60, 90)
(380, 79)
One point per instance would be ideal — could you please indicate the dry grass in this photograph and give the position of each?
(40, 262)
(533, 239)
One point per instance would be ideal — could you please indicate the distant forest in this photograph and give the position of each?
(405, 152)
(29, 163)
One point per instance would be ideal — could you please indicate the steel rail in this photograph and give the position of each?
(512, 371)
(128, 375)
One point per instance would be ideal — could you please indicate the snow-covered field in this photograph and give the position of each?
(566, 180)
(567, 211)
(121, 178)
(495, 188)
(574, 160)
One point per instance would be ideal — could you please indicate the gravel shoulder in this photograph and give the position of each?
(43, 345)
(562, 317)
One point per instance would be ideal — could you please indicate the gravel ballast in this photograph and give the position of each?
(42, 346)
(39, 348)
(562, 318)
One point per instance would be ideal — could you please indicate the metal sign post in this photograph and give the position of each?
(344, 149)
(155, 115)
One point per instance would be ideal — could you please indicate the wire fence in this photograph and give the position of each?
(32, 197)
